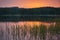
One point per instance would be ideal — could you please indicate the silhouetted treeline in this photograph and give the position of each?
(32, 14)
(31, 11)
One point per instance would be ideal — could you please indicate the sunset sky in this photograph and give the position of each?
(29, 3)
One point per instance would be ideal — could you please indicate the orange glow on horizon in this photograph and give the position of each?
(30, 3)
(38, 3)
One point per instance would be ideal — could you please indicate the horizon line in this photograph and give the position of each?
(30, 8)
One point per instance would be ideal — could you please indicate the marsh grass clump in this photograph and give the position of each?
(17, 32)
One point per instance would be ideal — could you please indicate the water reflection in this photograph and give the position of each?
(22, 23)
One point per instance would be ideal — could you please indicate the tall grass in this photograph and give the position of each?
(41, 32)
